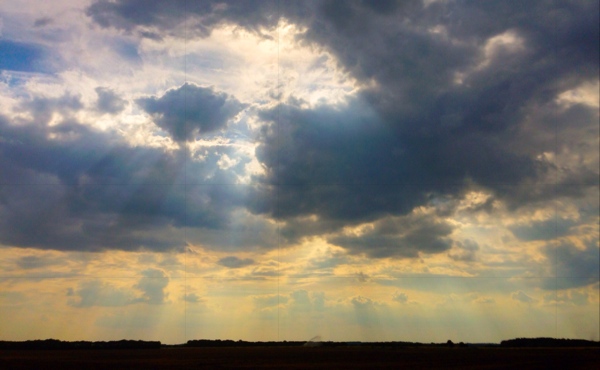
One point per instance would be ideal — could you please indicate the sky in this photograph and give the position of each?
(266, 170)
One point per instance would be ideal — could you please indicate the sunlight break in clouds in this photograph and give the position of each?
(268, 170)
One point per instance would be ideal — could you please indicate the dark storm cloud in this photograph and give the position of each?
(347, 166)
(347, 163)
(191, 110)
(429, 136)
(234, 262)
(109, 101)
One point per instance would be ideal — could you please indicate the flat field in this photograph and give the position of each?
(305, 358)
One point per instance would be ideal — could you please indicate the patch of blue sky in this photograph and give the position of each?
(128, 50)
(22, 57)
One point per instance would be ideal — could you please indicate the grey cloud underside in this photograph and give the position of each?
(191, 110)
(344, 164)
(71, 187)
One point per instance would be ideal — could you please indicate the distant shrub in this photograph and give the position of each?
(548, 342)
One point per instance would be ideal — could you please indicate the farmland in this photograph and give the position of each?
(343, 357)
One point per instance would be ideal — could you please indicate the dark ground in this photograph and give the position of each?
(305, 358)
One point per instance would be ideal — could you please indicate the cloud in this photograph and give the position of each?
(98, 293)
(371, 41)
(34, 262)
(267, 270)
(235, 262)
(153, 15)
(449, 92)
(152, 285)
(484, 300)
(42, 22)
(318, 159)
(400, 297)
(300, 301)
(191, 110)
(543, 230)
(346, 164)
(464, 251)
(522, 297)
(69, 186)
(572, 297)
(572, 266)
(362, 303)
(416, 131)
(269, 300)
(318, 301)
(366, 311)
(400, 237)
(109, 102)
(361, 277)
(362, 161)
(437, 112)
(329, 260)
(43, 108)
(192, 298)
